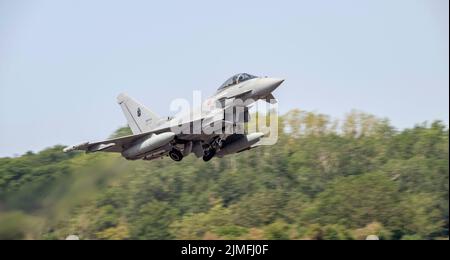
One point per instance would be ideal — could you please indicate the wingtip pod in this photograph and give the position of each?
(68, 149)
(75, 147)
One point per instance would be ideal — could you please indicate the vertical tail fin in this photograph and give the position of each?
(140, 119)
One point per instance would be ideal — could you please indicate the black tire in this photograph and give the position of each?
(209, 154)
(176, 155)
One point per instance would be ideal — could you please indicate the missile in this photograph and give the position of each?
(148, 144)
(244, 142)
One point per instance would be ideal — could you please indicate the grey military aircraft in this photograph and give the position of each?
(155, 137)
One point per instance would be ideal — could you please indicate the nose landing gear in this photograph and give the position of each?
(210, 151)
(209, 154)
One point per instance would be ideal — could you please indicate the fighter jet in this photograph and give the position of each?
(155, 137)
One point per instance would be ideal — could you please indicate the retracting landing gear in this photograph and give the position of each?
(209, 154)
(211, 150)
(176, 155)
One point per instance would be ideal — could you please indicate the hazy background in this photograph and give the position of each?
(62, 63)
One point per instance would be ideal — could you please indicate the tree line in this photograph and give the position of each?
(324, 179)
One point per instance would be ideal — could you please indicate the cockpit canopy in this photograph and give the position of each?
(238, 78)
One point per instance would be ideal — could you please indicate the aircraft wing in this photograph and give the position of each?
(115, 145)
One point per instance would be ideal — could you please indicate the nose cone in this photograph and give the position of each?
(267, 86)
(274, 83)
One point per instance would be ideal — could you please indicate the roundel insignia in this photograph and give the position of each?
(139, 112)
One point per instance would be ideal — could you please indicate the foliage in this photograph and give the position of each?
(324, 179)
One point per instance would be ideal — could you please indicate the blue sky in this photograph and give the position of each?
(62, 63)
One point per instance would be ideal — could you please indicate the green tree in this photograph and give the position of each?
(153, 221)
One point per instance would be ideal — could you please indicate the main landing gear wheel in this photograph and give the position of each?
(209, 154)
(176, 155)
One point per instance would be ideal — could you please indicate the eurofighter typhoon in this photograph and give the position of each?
(206, 134)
